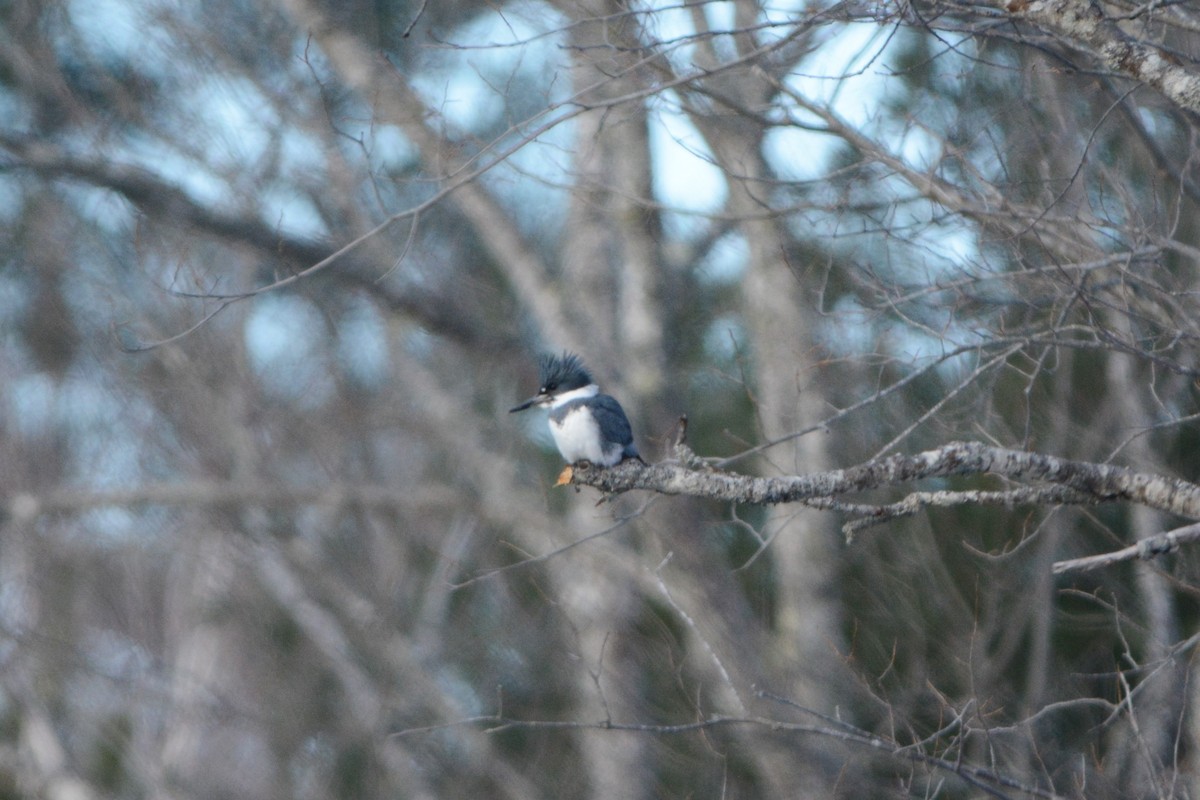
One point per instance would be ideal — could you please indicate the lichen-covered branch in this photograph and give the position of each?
(1083, 25)
(1096, 482)
(1145, 549)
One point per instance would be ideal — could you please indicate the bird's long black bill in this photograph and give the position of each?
(523, 406)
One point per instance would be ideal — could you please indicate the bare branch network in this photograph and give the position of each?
(984, 778)
(1085, 25)
(1057, 481)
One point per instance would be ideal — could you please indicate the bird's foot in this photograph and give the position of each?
(568, 472)
(564, 477)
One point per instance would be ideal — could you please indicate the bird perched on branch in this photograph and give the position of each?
(587, 426)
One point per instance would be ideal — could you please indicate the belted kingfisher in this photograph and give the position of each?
(587, 425)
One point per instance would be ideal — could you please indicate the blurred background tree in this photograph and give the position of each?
(273, 270)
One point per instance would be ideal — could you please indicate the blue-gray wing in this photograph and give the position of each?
(614, 425)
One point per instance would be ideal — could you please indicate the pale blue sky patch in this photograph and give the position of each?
(105, 208)
(845, 72)
(194, 178)
(89, 413)
(118, 29)
(672, 22)
(285, 340)
(916, 147)
(31, 404)
(469, 89)
(725, 338)
(1150, 121)
(849, 328)
(363, 346)
(852, 73)
(94, 414)
(11, 198)
(685, 179)
(240, 121)
(462, 100)
(14, 295)
(726, 261)
(515, 49)
(387, 147)
(301, 153)
(799, 155)
(722, 16)
(782, 15)
(15, 110)
(534, 182)
(953, 241)
(290, 212)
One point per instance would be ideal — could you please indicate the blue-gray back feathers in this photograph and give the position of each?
(610, 419)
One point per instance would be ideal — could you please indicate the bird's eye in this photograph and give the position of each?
(549, 387)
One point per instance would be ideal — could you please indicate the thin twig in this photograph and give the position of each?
(1145, 549)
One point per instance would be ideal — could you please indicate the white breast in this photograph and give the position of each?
(578, 438)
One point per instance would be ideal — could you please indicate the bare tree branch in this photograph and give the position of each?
(989, 780)
(1146, 549)
(26, 506)
(1085, 25)
(1099, 482)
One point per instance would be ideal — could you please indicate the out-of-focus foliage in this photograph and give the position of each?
(272, 272)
